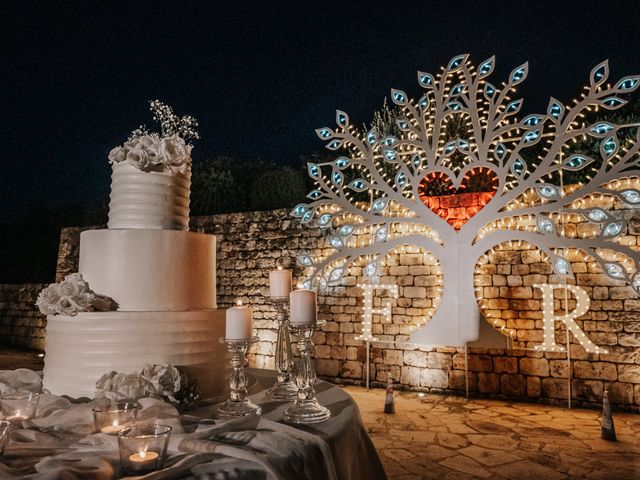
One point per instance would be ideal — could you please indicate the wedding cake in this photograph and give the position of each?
(158, 277)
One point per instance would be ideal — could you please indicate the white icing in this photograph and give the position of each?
(149, 200)
(151, 269)
(81, 349)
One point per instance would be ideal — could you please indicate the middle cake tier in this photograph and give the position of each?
(151, 270)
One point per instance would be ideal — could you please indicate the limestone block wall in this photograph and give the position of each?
(252, 244)
(21, 324)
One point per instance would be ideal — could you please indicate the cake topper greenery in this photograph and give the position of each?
(165, 152)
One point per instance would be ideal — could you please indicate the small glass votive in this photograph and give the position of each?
(4, 433)
(19, 405)
(113, 417)
(143, 448)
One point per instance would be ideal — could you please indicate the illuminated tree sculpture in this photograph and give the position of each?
(374, 198)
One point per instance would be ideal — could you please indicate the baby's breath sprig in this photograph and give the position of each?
(171, 124)
(141, 131)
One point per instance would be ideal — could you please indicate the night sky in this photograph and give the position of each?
(259, 76)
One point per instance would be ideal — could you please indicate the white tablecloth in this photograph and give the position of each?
(60, 443)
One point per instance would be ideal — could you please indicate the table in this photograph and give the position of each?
(60, 443)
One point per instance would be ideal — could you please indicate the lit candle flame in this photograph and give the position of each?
(239, 303)
(279, 267)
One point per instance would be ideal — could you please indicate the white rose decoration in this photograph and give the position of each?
(177, 154)
(48, 299)
(138, 158)
(72, 296)
(117, 155)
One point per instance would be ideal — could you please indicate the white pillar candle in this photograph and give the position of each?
(303, 307)
(280, 283)
(239, 319)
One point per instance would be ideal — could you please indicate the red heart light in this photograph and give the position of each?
(458, 205)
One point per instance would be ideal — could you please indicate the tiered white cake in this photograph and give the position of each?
(164, 281)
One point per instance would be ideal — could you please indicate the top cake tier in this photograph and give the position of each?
(149, 200)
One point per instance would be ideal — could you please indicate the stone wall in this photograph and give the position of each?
(252, 244)
(21, 324)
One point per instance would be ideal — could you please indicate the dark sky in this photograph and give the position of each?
(259, 76)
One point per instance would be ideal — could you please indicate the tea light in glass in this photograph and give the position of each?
(19, 405)
(112, 418)
(143, 448)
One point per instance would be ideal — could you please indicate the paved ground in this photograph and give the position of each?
(445, 437)
(451, 438)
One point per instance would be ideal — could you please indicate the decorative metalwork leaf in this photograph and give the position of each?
(513, 107)
(299, 210)
(456, 62)
(613, 103)
(531, 121)
(324, 133)
(426, 80)
(455, 106)
(635, 282)
(600, 129)
(382, 234)
(612, 229)
(630, 196)
(334, 144)
(390, 155)
(614, 270)
(519, 74)
(596, 215)
(401, 180)
(336, 178)
(545, 225)
(403, 124)
(307, 217)
(450, 147)
(314, 194)
(628, 84)
(336, 242)
(371, 270)
(305, 260)
(345, 230)
(500, 151)
(561, 266)
(372, 136)
(457, 90)
(489, 91)
(609, 147)
(555, 109)
(399, 97)
(336, 274)
(379, 205)
(423, 103)
(342, 162)
(342, 118)
(600, 73)
(325, 220)
(576, 162)
(548, 191)
(314, 170)
(531, 137)
(390, 141)
(518, 167)
(486, 67)
(359, 185)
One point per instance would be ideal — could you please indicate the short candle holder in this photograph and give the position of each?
(238, 405)
(143, 448)
(284, 388)
(306, 408)
(19, 405)
(113, 417)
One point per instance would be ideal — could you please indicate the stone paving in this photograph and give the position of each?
(447, 438)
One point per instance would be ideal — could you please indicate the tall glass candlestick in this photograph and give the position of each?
(238, 405)
(306, 408)
(284, 388)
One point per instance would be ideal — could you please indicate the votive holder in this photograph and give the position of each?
(285, 388)
(19, 405)
(238, 405)
(306, 409)
(113, 417)
(5, 425)
(143, 448)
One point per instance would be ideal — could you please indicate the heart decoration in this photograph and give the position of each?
(458, 205)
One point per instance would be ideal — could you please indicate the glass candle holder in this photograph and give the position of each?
(238, 404)
(19, 405)
(284, 388)
(306, 408)
(113, 417)
(143, 448)
(4, 433)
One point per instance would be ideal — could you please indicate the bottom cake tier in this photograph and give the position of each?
(80, 349)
